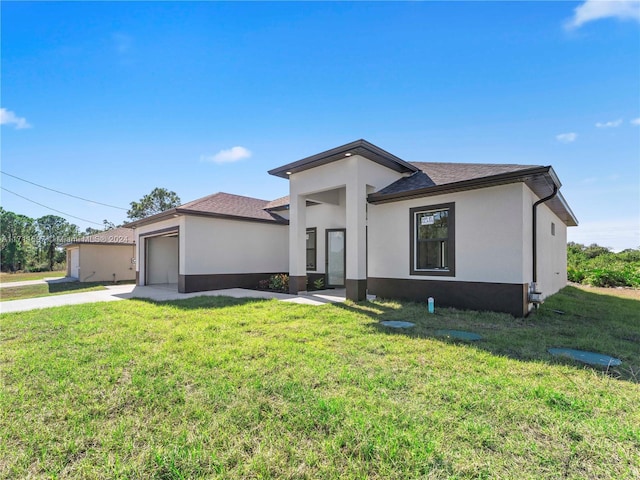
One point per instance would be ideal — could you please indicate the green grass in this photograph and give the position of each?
(215, 387)
(6, 277)
(45, 290)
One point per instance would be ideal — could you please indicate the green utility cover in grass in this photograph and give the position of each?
(591, 358)
(459, 335)
(397, 324)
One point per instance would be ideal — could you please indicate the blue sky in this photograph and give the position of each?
(109, 100)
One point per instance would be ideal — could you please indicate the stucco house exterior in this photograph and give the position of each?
(103, 257)
(476, 236)
(219, 241)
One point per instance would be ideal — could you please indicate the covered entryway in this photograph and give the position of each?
(161, 260)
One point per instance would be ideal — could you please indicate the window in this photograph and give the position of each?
(433, 240)
(311, 248)
(553, 229)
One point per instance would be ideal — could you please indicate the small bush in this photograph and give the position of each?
(279, 282)
(605, 278)
(318, 284)
(575, 275)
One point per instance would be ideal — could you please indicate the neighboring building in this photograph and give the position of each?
(103, 257)
(362, 218)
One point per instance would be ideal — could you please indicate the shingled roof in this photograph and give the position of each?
(278, 203)
(434, 174)
(220, 205)
(115, 236)
(440, 178)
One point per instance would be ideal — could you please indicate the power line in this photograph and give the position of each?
(63, 193)
(63, 213)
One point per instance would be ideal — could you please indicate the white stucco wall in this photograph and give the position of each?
(552, 249)
(220, 246)
(493, 238)
(99, 263)
(489, 245)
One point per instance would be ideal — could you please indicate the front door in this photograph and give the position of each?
(75, 263)
(335, 257)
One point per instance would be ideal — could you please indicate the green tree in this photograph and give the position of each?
(594, 250)
(159, 200)
(108, 225)
(54, 231)
(18, 235)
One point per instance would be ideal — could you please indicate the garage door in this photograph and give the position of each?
(162, 260)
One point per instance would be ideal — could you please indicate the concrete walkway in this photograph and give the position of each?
(115, 293)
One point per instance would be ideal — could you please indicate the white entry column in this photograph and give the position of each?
(297, 242)
(356, 216)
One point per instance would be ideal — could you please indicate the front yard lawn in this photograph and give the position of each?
(215, 387)
(47, 289)
(6, 277)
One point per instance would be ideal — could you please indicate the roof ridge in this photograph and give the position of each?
(207, 197)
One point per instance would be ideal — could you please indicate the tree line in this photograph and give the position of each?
(35, 244)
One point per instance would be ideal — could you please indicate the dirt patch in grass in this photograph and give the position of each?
(622, 292)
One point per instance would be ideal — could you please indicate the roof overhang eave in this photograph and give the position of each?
(177, 212)
(359, 147)
(174, 212)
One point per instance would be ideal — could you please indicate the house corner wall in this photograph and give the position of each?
(551, 247)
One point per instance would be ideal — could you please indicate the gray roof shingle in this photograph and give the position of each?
(277, 203)
(433, 174)
(227, 204)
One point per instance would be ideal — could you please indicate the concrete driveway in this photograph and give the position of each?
(115, 293)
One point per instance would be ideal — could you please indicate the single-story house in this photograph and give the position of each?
(477, 236)
(108, 256)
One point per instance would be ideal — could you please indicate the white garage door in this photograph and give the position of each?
(75, 262)
(162, 260)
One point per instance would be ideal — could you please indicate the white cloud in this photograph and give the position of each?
(567, 137)
(611, 124)
(231, 155)
(7, 117)
(635, 121)
(592, 10)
